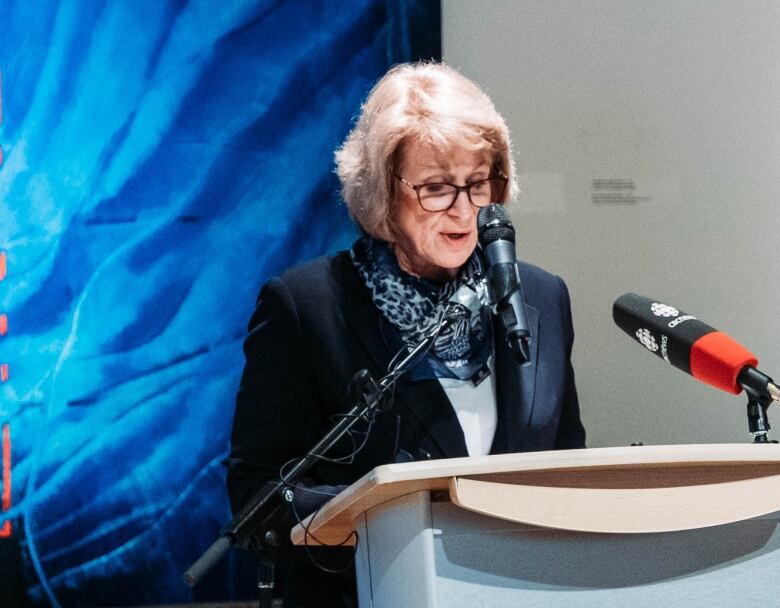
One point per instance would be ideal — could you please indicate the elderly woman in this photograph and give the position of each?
(428, 151)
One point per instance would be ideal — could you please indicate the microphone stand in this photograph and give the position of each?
(758, 423)
(760, 396)
(262, 522)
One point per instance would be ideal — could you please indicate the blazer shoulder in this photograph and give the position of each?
(316, 270)
(322, 282)
(541, 283)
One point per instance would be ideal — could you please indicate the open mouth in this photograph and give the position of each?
(455, 236)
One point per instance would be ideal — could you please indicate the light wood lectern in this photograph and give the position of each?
(686, 525)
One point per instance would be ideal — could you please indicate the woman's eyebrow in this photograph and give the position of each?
(444, 171)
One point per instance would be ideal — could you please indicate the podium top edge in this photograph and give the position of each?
(624, 456)
(393, 480)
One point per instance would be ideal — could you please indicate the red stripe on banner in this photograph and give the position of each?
(6, 530)
(5, 497)
(1, 112)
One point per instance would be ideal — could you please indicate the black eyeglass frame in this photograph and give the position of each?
(458, 189)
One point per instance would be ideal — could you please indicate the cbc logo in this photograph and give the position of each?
(664, 310)
(646, 338)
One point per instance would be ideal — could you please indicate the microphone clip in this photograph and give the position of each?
(761, 391)
(758, 421)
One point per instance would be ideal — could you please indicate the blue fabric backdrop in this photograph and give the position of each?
(161, 159)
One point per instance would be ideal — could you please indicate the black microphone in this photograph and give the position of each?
(497, 237)
(692, 346)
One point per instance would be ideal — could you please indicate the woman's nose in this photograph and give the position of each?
(462, 206)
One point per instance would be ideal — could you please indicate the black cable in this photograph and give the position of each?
(397, 435)
(297, 486)
(350, 458)
(307, 534)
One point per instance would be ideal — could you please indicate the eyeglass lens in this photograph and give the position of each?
(436, 197)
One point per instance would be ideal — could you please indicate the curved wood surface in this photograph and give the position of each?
(623, 490)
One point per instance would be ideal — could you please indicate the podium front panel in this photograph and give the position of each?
(486, 562)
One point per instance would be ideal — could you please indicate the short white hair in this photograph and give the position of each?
(429, 104)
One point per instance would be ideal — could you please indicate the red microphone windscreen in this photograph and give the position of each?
(717, 359)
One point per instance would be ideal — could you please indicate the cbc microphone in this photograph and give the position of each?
(688, 344)
(497, 237)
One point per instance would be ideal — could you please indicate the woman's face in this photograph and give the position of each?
(428, 244)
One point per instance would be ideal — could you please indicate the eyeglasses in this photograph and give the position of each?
(440, 196)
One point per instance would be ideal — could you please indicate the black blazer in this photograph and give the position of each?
(316, 325)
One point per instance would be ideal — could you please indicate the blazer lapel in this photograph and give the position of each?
(428, 402)
(425, 399)
(513, 380)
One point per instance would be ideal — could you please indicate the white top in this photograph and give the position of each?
(476, 410)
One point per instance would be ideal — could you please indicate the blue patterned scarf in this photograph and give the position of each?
(412, 306)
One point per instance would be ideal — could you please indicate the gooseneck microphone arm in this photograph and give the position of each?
(262, 522)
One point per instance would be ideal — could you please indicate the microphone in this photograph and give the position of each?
(497, 238)
(692, 346)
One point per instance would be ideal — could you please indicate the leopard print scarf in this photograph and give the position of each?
(412, 306)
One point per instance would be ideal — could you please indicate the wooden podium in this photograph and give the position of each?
(685, 525)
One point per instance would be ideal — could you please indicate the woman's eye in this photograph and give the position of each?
(435, 188)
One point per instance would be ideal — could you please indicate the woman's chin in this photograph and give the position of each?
(454, 252)
(449, 265)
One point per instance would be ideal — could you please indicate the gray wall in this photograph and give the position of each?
(682, 100)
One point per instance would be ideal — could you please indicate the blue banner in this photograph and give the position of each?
(161, 159)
